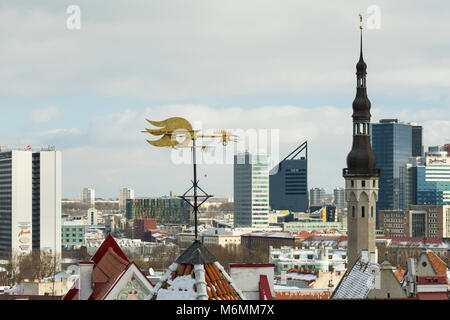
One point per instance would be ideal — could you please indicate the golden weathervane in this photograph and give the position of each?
(172, 130)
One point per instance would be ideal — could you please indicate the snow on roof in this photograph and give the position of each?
(358, 281)
(301, 276)
(198, 269)
(180, 288)
(16, 289)
(279, 287)
(281, 234)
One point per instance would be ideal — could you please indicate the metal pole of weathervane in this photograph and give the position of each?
(170, 130)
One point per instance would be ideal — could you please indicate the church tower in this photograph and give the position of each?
(361, 175)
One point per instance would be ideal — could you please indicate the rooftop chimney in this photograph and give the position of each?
(373, 257)
(364, 256)
(86, 268)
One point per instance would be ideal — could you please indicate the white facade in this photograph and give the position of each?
(87, 196)
(92, 217)
(21, 202)
(31, 183)
(50, 201)
(124, 194)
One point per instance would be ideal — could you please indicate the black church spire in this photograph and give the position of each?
(361, 161)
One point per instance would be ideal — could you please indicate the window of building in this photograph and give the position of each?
(353, 211)
(352, 183)
(363, 211)
(363, 183)
(371, 212)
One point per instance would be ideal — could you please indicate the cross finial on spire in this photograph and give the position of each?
(360, 21)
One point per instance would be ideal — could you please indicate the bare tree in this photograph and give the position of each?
(238, 254)
(32, 266)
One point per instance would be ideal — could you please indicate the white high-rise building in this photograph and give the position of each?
(92, 217)
(87, 196)
(251, 190)
(124, 194)
(30, 200)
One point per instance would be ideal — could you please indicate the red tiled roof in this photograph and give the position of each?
(216, 286)
(72, 294)
(439, 266)
(108, 243)
(109, 264)
(399, 274)
(431, 279)
(105, 273)
(432, 295)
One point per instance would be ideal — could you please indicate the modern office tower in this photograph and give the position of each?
(339, 197)
(426, 180)
(124, 194)
(30, 200)
(251, 190)
(288, 182)
(166, 210)
(87, 196)
(394, 144)
(317, 196)
(416, 135)
(361, 176)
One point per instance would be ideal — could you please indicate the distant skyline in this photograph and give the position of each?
(287, 65)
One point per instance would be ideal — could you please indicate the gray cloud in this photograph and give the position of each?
(172, 50)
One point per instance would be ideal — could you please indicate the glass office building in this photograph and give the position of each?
(289, 182)
(432, 179)
(251, 190)
(339, 197)
(426, 180)
(392, 142)
(165, 210)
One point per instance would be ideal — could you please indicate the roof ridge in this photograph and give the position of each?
(117, 257)
(437, 263)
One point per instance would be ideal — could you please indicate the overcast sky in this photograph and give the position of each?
(261, 64)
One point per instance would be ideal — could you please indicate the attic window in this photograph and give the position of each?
(424, 263)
